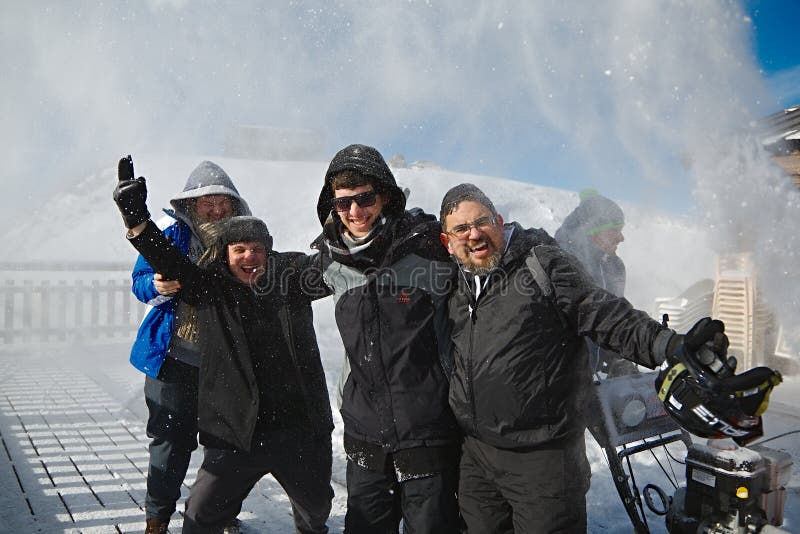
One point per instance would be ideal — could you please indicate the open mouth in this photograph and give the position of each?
(251, 269)
(479, 249)
(359, 222)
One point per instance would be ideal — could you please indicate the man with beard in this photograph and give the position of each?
(166, 349)
(521, 374)
(390, 278)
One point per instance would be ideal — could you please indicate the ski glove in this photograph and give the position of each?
(707, 340)
(131, 195)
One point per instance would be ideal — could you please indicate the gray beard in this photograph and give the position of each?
(484, 269)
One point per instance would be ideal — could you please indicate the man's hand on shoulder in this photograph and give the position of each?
(167, 288)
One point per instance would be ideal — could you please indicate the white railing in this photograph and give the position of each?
(66, 302)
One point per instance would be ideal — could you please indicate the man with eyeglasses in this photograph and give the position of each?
(521, 373)
(166, 349)
(390, 279)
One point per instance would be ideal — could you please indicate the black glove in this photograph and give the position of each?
(131, 195)
(708, 342)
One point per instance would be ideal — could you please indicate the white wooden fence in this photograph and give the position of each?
(66, 302)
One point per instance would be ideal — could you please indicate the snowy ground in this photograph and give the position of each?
(74, 448)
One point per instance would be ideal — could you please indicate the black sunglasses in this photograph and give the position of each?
(364, 200)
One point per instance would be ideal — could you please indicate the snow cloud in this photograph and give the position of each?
(618, 95)
(537, 91)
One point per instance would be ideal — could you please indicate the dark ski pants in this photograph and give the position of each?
(172, 424)
(531, 492)
(376, 502)
(226, 477)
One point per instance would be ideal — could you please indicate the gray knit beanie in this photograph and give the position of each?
(599, 213)
(219, 234)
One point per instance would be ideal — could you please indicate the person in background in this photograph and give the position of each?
(390, 278)
(166, 349)
(518, 317)
(263, 401)
(592, 232)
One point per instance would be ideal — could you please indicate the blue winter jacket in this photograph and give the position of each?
(152, 339)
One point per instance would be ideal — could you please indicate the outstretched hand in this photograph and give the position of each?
(131, 195)
(707, 340)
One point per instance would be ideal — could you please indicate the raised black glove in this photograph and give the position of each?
(131, 195)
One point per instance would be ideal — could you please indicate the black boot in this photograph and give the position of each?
(156, 526)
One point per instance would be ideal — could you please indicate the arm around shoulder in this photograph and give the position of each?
(161, 254)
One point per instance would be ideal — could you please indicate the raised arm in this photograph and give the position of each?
(158, 253)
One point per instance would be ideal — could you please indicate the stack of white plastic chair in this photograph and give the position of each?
(749, 324)
(691, 305)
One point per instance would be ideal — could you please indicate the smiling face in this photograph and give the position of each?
(359, 219)
(482, 246)
(212, 208)
(247, 260)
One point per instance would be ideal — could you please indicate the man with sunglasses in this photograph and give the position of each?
(521, 373)
(390, 279)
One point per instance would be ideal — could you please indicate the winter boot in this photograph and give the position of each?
(156, 526)
(232, 528)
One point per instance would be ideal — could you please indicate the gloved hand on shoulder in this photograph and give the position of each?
(131, 195)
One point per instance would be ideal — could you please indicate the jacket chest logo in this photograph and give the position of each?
(404, 297)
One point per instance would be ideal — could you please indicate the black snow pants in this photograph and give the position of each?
(172, 424)
(226, 477)
(376, 502)
(533, 491)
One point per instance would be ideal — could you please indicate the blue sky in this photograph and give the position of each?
(618, 96)
(777, 46)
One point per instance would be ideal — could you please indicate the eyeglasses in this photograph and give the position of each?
(209, 204)
(461, 231)
(364, 200)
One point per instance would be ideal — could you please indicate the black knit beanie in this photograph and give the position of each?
(369, 162)
(460, 193)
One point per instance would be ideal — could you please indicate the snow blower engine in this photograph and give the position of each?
(729, 488)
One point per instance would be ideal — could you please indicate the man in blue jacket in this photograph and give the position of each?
(166, 349)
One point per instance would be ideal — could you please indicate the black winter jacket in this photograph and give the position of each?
(260, 372)
(391, 310)
(521, 376)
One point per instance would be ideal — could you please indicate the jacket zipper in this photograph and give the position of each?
(292, 351)
(473, 304)
(382, 368)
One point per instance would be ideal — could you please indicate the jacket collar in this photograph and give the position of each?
(396, 239)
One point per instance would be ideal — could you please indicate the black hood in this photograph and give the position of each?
(368, 161)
